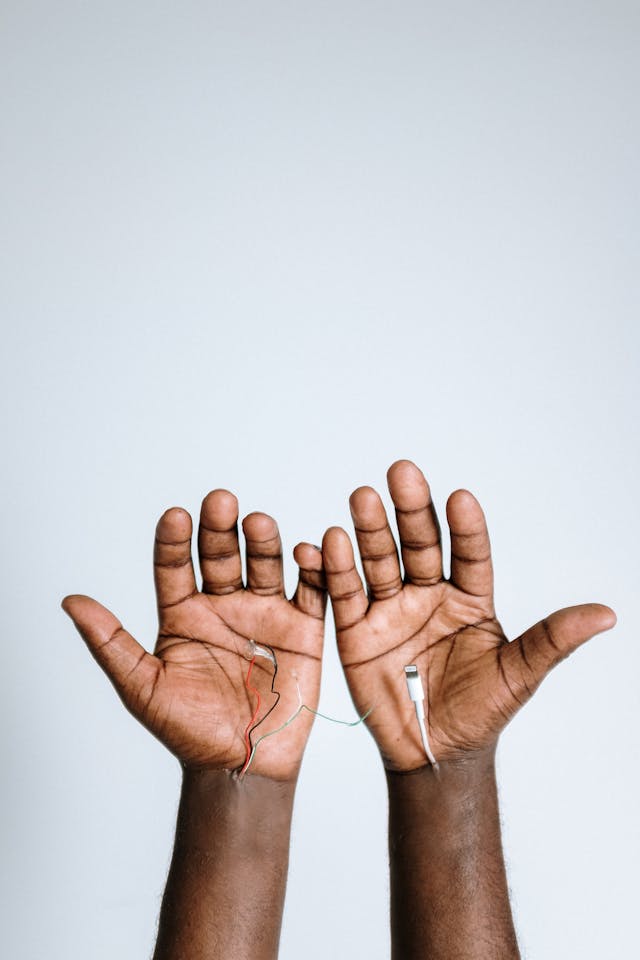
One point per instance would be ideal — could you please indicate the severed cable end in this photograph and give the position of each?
(254, 649)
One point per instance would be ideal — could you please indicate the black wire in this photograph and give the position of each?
(276, 692)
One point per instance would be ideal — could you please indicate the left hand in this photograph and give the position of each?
(475, 680)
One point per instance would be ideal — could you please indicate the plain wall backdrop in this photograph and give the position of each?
(273, 247)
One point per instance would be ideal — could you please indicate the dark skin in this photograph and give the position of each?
(226, 885)
(227, 880)
(449, 895)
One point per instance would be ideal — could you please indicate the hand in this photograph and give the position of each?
(192, 693)
(474, 679)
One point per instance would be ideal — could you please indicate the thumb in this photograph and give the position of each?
(127, 664)
(544, 645)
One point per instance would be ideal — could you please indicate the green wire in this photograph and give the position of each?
(316, 713)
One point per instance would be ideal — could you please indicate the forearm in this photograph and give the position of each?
(226, 885)
(449, 896)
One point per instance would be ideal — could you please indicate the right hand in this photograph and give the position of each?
(192, 693)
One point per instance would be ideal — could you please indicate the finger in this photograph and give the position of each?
(530, 657)
(172, 564)
(132, 670)
(377, 547)
(311, 593)
(264, 555)
(218, 547)
(417, 523)
(348, 599)
(471, 567)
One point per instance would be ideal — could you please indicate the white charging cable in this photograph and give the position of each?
(416, 693)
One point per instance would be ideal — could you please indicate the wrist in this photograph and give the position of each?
(255, 810)
(227, 881)
(212, 779)
(448, 886)
(462, 777)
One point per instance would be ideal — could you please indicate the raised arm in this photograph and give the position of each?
(228, 664)
(449, 895)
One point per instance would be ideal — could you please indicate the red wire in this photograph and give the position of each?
(247, 744)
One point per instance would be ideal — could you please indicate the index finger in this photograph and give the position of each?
(471, 567)
(172, 564)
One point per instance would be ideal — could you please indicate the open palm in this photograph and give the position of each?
(475, 679)
(195, 693)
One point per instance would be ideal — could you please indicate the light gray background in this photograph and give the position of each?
(274, 246)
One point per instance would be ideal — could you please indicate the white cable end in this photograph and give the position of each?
(414, 683)
(416, 694)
